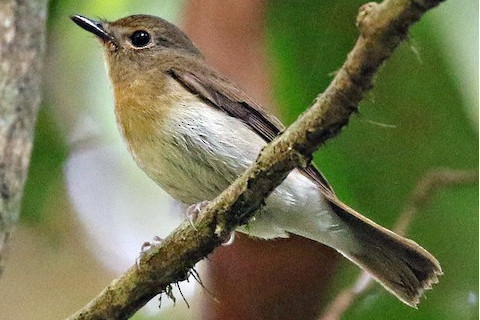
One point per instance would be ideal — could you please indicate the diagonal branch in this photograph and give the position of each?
(382, 28)
(420, 197)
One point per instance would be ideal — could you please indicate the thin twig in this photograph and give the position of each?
(426, 188)
(420, 197)
(382, 26)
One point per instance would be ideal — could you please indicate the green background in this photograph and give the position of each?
(375, 167)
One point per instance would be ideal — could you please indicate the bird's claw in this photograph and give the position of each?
(146, 246)
(194, 210)
(230, 240)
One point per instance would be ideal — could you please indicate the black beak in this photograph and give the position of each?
(92, 26)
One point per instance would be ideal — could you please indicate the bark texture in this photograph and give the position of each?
(22, 46)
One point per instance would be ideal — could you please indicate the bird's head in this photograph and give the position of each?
(139, 42)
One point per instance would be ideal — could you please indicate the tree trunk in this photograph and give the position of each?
(22, 46)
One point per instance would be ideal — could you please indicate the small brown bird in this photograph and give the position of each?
(193, 132)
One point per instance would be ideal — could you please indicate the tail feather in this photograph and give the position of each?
(400, 265)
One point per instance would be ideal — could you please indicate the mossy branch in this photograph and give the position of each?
(382, 26)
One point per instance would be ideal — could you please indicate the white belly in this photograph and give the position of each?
(200, 151)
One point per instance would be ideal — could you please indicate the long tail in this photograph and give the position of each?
(398, 264)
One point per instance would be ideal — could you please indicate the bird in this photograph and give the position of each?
(193, 132)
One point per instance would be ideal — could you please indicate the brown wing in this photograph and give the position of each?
(222, 95)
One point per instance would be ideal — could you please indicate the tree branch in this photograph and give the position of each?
(382, 27)
(22, 45)
(420, 197)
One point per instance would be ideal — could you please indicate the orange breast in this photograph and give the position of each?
(138, 109)
(143, 106)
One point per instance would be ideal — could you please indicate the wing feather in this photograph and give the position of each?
(222, 95)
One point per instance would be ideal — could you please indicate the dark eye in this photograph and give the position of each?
(140, 38)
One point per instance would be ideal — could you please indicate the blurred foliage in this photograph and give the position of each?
(413, 120)
(49, 153)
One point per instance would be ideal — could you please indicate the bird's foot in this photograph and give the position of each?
(194, 210)
(146, 246)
